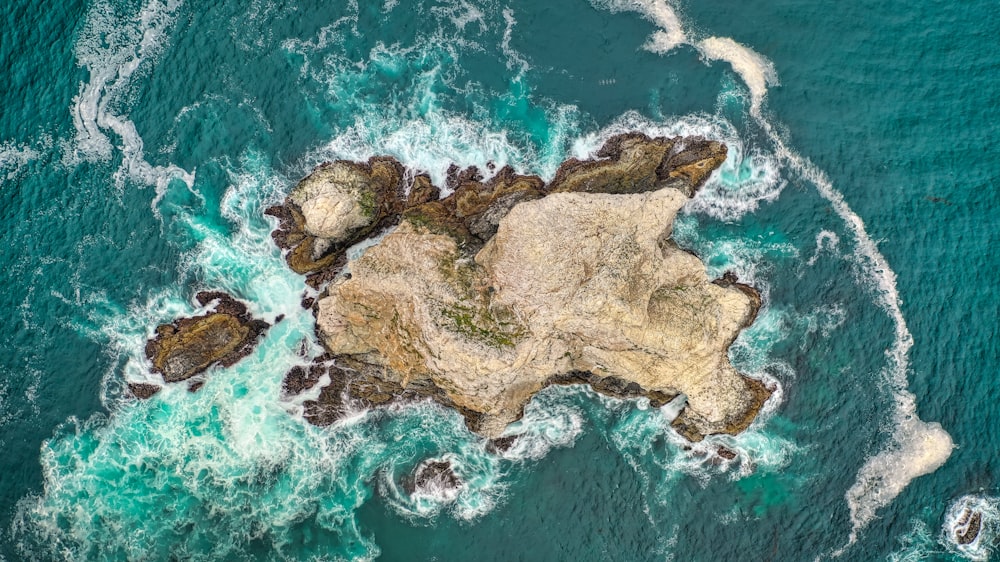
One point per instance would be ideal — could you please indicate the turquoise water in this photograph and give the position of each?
(141, 141)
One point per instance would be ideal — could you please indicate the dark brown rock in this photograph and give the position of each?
(726, 453)
(635, 163)
(189, 346)
(501, 445)
(432, 475)
(613, 387)
(143, 390)
(969, 526)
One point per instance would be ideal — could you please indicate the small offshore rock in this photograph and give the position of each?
(143, 390)
(432, 476)
(189, 346)
(968, 526)
(501, 445)
(726, 453)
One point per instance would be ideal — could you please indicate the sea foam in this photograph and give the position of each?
(915, 447)
(756, 71)
(115, 53)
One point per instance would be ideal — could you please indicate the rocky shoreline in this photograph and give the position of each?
(482, 298)
(479, 299)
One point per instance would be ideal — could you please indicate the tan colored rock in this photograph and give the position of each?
(338, 205)
(482, 298)
(335, 201)
(572, 282)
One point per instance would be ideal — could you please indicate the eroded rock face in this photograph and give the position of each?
(189, 346)
(481, 299)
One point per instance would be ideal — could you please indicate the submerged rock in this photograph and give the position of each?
(189, 346)
(483, 298)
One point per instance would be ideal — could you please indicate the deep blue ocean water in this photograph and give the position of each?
(140, 142)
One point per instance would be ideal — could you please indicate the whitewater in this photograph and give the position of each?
(233, 471)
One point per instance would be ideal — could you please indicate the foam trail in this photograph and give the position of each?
(13, 159)
(671, 33)
(916, 447)
(825, 240)
(112, 51)
(514, 59)
(756, 71)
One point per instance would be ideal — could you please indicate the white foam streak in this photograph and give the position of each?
(756, 71)
(671, 33)
(430, 145)
(113, 51)
(461, 13)
(514, 58)
(825, 240)
(916, 447)
(550, 420)
(14, 157)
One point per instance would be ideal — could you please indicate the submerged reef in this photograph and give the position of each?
(509, 285)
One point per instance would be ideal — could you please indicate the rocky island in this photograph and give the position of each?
(506, 286)
(482, 298)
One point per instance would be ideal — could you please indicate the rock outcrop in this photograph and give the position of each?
(432, 477)
(338, 205)
(968, 526)
(481, 299)
(188, 346)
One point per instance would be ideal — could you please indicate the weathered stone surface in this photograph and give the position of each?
(143, 390)
(432, 476)
(968, 527)
(338, 205)
(634, 163)
(501, 445)
(726, 453)
(189, 346)
(482, 298)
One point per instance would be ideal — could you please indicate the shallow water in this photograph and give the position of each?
(141, 141)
